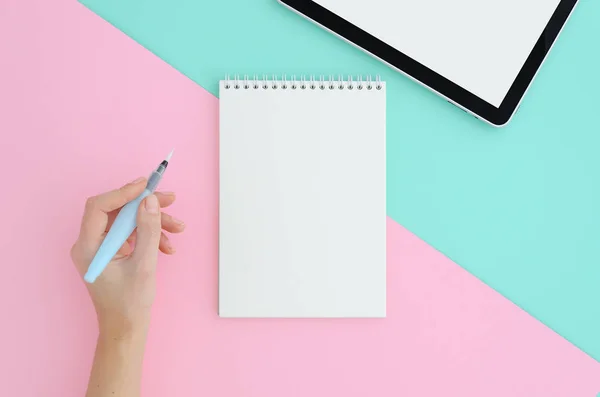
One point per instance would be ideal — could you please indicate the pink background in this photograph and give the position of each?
(84, 109)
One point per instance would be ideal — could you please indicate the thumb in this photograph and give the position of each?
(148, 232)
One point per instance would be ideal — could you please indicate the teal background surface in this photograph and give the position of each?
(519, 207)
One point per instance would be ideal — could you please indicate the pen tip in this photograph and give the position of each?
(168, 158)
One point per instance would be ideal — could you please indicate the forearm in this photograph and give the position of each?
(117, 367)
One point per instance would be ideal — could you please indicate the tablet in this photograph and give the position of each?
(480, 55)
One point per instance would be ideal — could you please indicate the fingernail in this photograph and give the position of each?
(178, 221)
(170, 246)
(152, 204)
(168, 193)
(138, 180)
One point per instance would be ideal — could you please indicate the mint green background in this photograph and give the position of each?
(519, 207)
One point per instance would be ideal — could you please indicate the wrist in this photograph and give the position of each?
(123, 328)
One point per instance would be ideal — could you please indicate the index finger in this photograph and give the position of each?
(95, 216)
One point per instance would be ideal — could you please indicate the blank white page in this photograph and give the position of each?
(302, 201)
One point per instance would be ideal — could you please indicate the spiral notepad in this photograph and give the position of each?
(302, 197)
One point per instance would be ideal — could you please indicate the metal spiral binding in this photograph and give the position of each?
(331, 83)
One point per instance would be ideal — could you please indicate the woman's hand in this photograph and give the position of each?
(124, 292)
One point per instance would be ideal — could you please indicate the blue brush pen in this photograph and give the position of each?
(124, 224)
